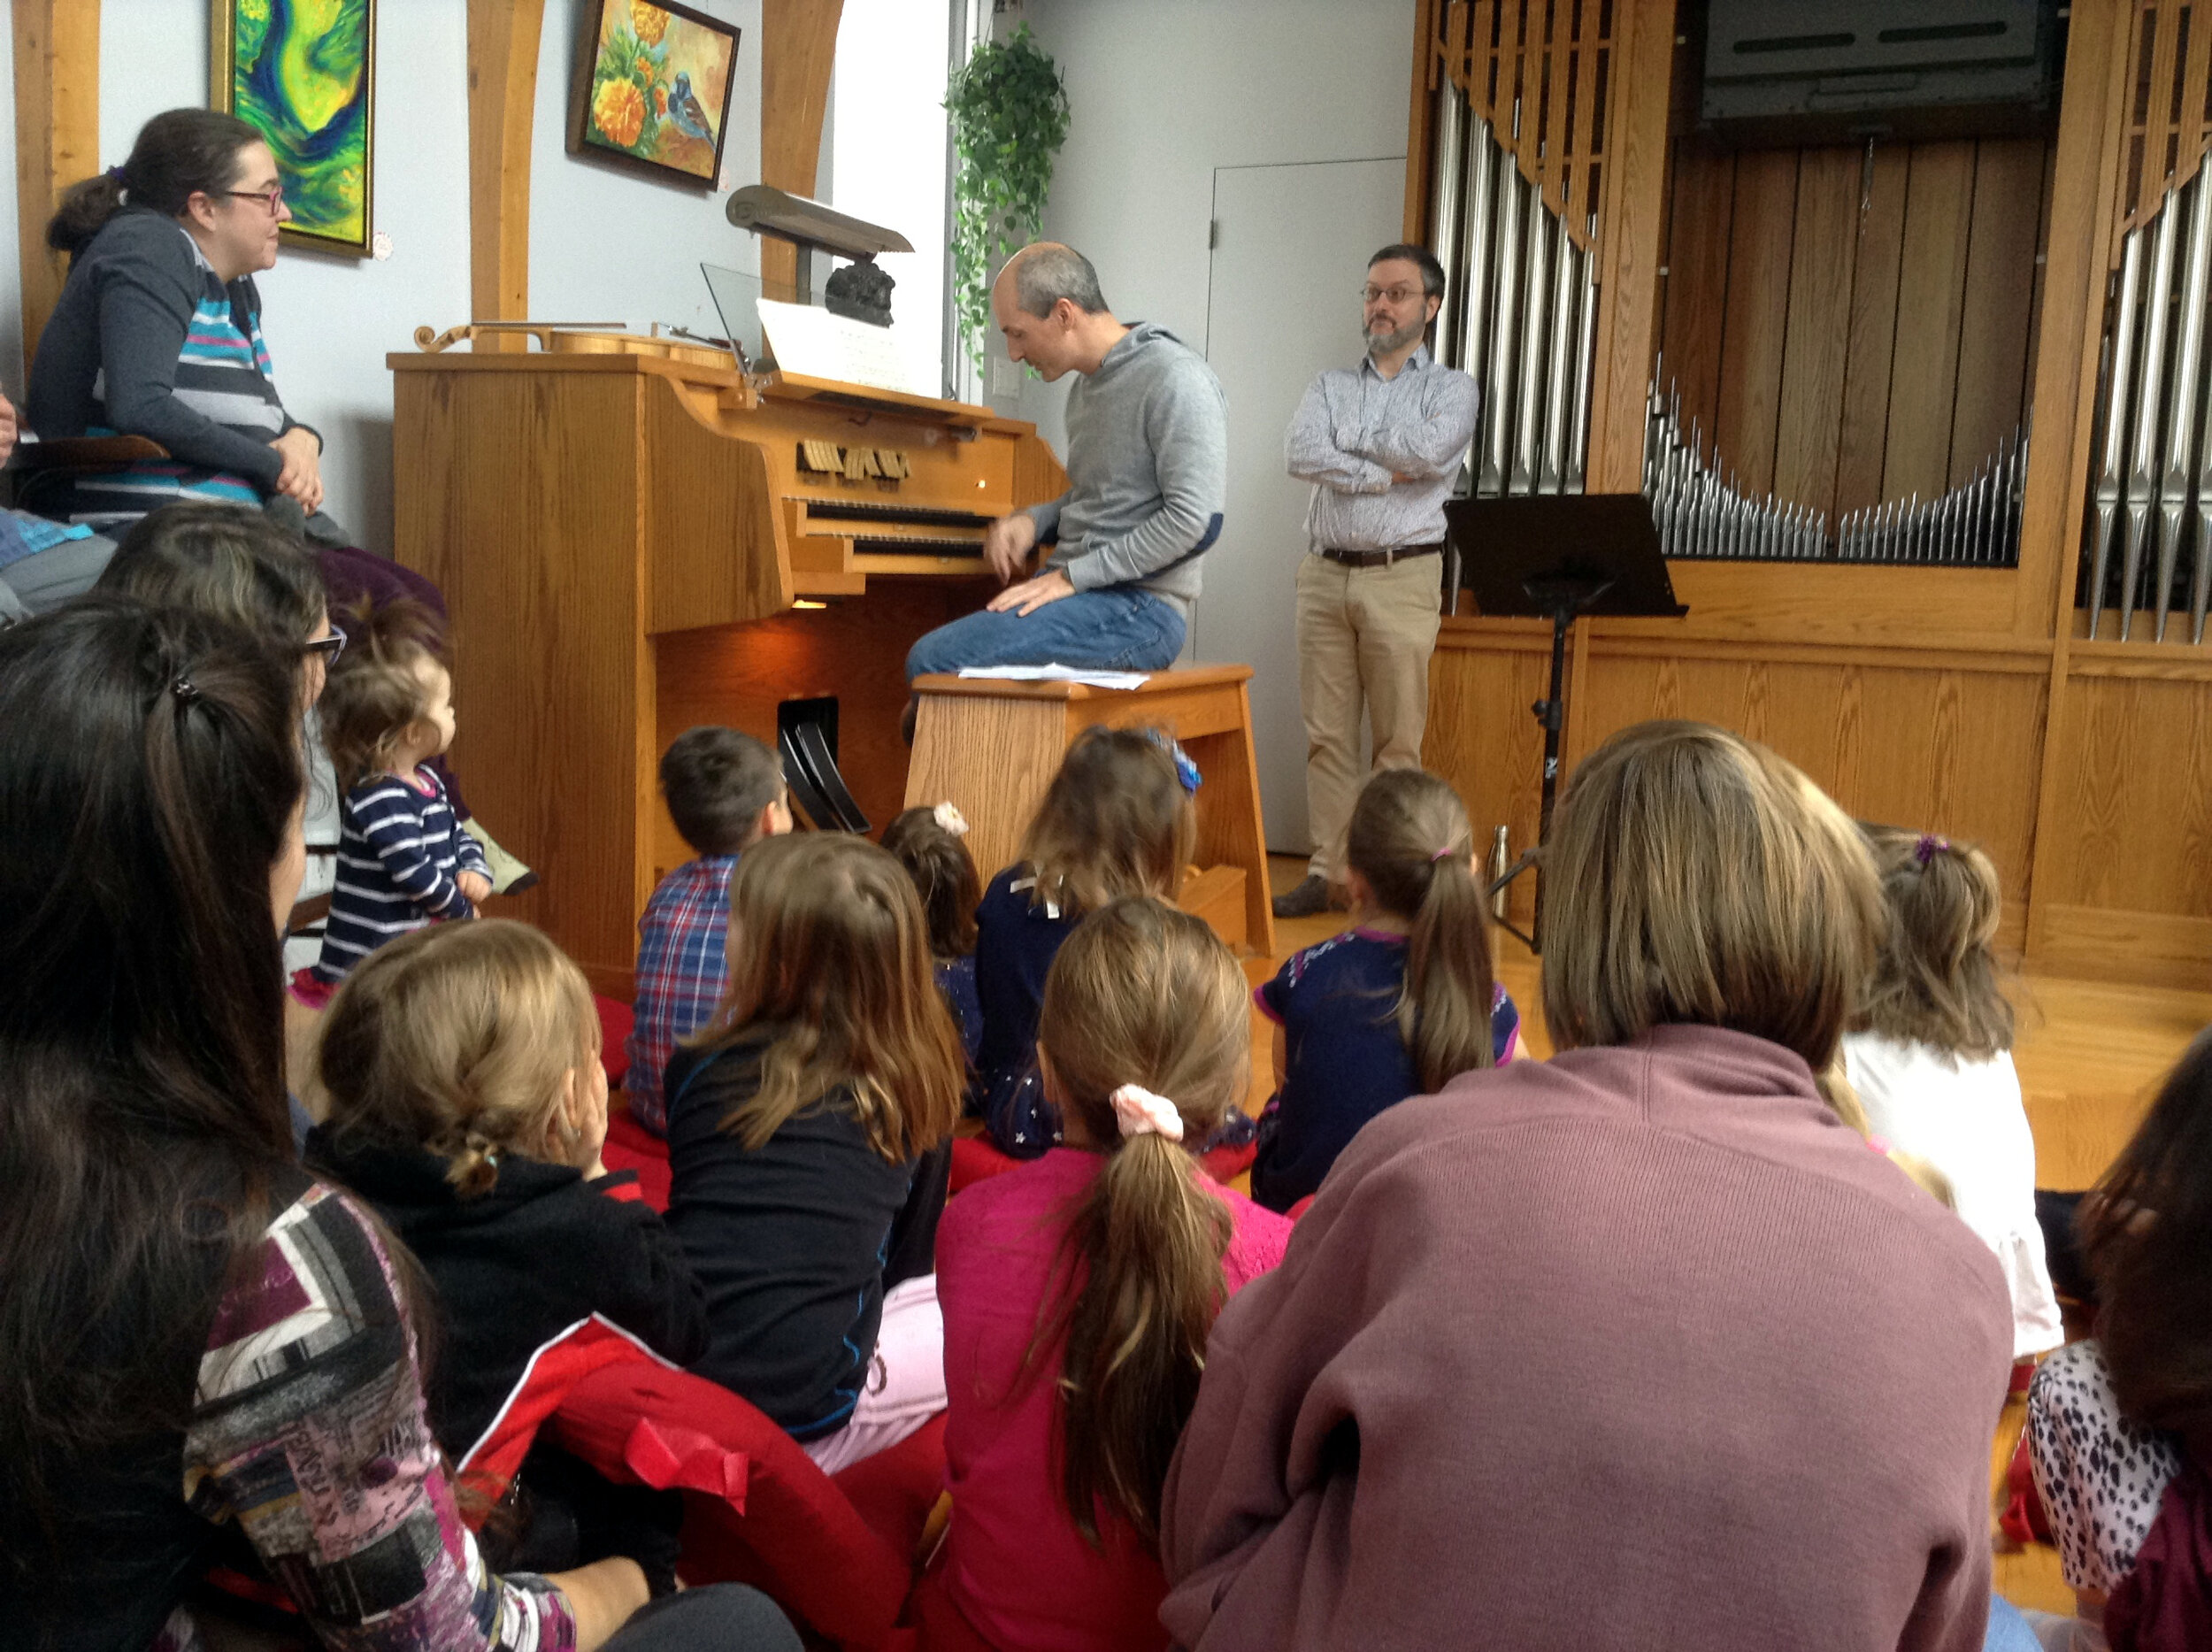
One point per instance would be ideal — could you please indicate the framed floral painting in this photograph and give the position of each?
(301, 72)
(652, 88)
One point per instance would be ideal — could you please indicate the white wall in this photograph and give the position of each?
(604, 244)
(885, 153)
(1164, 91)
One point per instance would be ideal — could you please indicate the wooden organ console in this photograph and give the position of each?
(633, 537)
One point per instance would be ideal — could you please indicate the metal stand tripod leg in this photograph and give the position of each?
(1551, 711)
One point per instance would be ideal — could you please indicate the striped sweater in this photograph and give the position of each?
(147, 341)
(399, 851)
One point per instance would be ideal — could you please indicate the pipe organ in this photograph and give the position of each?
(2149, 527)
(1514, 224)
(1927, 415)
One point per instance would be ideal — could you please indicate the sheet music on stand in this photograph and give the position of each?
(814, 344)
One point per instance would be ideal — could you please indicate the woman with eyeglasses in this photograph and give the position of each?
(157, 332)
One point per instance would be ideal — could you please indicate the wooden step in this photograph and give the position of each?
(1216, 894)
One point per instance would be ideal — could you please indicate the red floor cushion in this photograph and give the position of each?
(615, 1022)
(974, 1159)
(798, 1537)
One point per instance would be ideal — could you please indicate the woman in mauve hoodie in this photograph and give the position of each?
(1637, 1346)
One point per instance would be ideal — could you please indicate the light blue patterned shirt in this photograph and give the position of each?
(1356, 431)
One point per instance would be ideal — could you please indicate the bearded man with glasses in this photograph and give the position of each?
(1381, 443)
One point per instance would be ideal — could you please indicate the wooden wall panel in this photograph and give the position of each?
(1870, 331)
(57, 45)
(1752, 343)
(1950, 750)
(1639, 79)
(1823, 253)
(1995, 303)
(2134, 773)
(502, 65)
(1924, 377)
(1481, 738)
(1700, 202)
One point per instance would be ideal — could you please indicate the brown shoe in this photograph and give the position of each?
(1310, 899)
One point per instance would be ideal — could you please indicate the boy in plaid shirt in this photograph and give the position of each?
(725, 793)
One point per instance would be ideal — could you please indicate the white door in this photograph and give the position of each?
(1291, 245)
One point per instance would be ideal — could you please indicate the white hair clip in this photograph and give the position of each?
(948, 817)
(1139, 1112)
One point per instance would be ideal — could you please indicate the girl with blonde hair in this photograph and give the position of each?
(807, 1129)
(1394, 1006)
(1078, 1291)
(1115, 821)
(1930, 1056)
(466, 1103)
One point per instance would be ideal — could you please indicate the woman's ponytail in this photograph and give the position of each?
(1410, 840)
(180, 153)
(1141, 999)
(84, 211)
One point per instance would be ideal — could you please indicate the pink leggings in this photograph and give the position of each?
(905, 1385)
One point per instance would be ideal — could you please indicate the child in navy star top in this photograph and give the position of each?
(404, 860)
(1393, 1007)
(1115, 821)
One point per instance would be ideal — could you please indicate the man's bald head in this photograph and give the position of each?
(1048, 305)
(1044, 273)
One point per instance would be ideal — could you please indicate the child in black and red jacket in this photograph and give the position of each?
(467, 1104)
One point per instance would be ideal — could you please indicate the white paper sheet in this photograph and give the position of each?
(1058, 673)
(816, 344)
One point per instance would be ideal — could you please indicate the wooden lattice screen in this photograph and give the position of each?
(1537, 70)
(2169, 105)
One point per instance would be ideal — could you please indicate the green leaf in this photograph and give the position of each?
(1010, 117)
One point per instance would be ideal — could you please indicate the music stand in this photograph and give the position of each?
(1557, 556)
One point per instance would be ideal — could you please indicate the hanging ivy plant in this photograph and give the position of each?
(1010, 116)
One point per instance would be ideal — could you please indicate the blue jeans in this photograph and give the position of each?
(1120, 629)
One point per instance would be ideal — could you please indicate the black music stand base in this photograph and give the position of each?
(1551, 713)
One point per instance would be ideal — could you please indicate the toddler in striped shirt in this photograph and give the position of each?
(404, 860)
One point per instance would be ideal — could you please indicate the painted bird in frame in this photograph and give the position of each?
(684, 109)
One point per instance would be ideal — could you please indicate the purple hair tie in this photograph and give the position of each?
(115, 174)
(1929, 845)
(1442, 854)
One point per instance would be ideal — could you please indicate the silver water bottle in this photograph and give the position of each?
(1500, 863)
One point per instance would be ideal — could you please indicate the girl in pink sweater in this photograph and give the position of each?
(1078, 1292)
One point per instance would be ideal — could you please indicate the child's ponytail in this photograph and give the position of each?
(1151, 1242)
(1410, 840)
(1936, 980)
(1146, 1041)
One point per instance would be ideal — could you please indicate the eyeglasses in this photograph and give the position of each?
(273, 199)
(330, 647)
(1396, 294)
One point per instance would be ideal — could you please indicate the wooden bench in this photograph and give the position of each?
(993, 747)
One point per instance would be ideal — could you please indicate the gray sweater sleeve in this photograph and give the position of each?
(1186, 426)
(145, 310)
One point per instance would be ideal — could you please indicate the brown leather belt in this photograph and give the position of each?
(1378, 559)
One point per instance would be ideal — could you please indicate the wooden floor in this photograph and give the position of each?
(2089, 1055)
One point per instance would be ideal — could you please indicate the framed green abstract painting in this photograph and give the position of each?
(652, 88)
(301, 72)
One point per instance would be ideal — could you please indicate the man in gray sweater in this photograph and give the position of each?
(1147, 466)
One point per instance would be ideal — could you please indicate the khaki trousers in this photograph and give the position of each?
(1363, 633)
